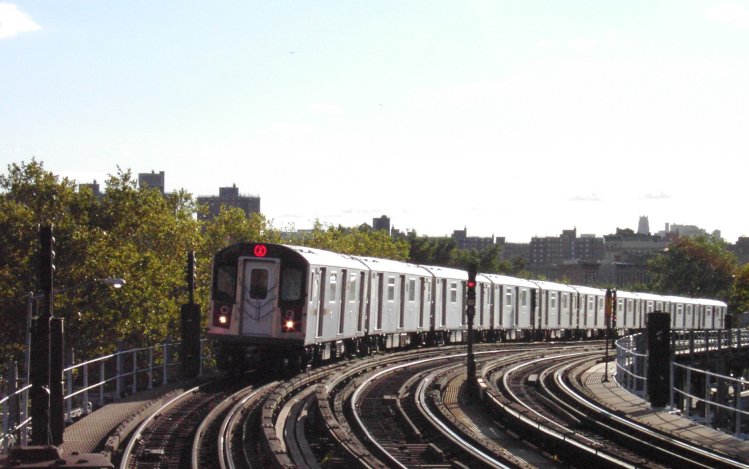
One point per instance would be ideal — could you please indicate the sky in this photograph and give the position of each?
(509, 118)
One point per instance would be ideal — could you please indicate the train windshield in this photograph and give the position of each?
(226, 283)
(291, 284)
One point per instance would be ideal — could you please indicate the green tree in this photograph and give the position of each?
(30, 196)
(356, 241)
(699, 267)
(430, 251)
(739, 298)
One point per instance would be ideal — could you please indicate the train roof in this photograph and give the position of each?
(506, 280)
(626, 294)
(589, 290)
(316, 256)
(544, 285)
(389, 265)
(446, 272)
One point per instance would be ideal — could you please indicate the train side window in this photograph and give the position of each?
(553, 300)
(565, 300)
(291, 284)
(352, 287)
(391, 288)
(226, 283)
(453, 292)
(333, 286)
(412, 290)
(523, 297)
(259, 284)
(508, 295)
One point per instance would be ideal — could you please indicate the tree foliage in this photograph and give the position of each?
(355, 241)
(739, 298)
(698, 267)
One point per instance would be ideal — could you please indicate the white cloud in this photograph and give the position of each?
(732, 14)
(13, 21)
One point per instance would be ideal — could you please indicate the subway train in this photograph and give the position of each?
(275, 304)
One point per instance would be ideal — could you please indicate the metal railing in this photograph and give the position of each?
(94, 383)
(710, 397)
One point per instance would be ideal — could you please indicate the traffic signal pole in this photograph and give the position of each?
(40, 349)
(190, 330)
(471, 383)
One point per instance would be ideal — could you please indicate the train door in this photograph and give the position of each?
(259, 296)
(402, 301)
(443, 303)
(323, 301)
(314, 302)
(344, 301)
(481, 304)
(378, 287)
(425, 299)
(362, 320)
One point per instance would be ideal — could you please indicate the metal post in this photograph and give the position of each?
(135, 371)
(11, 411)
(102, 377)
(69, 385)
(150, 368)
(56, 381)
(688, 387)
(119, 364)
(165, 378)
(200, 368)
(737, 405)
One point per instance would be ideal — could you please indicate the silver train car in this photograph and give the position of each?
(272, 302)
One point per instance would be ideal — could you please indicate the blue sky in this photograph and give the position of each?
(513, 118)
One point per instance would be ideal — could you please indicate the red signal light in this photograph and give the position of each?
(471, 284)
(260, 250)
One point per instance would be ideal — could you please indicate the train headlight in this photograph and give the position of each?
(222, 315)
(287, 322)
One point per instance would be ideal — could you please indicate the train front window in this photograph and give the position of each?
(259, 284)
(226, 284)
(291, 284)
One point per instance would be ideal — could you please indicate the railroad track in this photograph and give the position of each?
(667, 448)
(536, 396)
(165, 439)
(408, 409)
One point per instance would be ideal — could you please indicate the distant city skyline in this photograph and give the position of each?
(158, 179)
(510, 118)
